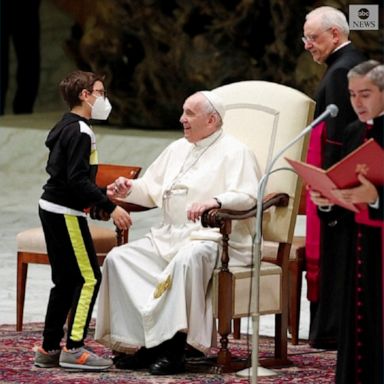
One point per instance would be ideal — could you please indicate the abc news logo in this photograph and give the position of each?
(363, 13)
(363, 17)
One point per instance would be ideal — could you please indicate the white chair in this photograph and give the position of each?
(265, 116)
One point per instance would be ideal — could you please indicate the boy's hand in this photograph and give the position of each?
(97, 213)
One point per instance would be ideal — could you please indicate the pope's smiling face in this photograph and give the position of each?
(198, 120)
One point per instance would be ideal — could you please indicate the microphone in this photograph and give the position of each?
(331, 111)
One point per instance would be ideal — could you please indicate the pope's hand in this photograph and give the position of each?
(196, 210)
(120, 188)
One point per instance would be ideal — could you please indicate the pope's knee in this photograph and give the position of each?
(112, 257)
(196, 254)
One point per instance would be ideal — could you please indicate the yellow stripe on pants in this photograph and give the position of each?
(87, 291)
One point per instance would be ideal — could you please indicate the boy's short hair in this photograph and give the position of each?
(74, 83)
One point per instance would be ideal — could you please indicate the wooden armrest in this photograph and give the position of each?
(130, 207)
(222, 218)
(277, 199)
(216, 216)
(122, 236)
(99, 214)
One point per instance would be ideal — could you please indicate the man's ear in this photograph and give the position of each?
(213, 119)
(337, 36)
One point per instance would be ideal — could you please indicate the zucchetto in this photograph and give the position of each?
(216, 102)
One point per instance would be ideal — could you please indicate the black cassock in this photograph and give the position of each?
(335, 235)
(360, 357)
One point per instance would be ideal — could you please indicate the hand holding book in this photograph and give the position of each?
(366, 192)
(366, 160)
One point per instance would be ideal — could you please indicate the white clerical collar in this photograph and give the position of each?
(370, 121)
(341, 46)
(209, 140)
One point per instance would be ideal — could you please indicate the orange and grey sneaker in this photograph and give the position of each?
(45, 359)
(81, 358)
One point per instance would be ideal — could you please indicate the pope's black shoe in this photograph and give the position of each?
(167, 366)
(142, 359)
(171, 358)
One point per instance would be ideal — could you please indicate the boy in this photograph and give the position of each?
(72, 167)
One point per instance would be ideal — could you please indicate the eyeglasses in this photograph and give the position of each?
(100, 92)
(313, 38)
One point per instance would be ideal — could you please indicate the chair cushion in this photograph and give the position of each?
(104, 239)
(270, 290)
(269, 250)
(32, 240)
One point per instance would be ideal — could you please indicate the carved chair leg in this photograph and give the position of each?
(293, 301)
(236, 328)
(296, 268)
(280, 358)
(22, 270)
(224, 318)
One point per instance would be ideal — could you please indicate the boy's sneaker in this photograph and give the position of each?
(45, 359)
(81, 358)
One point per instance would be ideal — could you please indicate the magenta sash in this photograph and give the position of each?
(312, 239)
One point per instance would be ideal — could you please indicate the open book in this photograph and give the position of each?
(368, 159)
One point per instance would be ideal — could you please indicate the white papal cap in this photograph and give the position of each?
(216, 102)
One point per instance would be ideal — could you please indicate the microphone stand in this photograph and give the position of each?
(257, 247)
(331, 111)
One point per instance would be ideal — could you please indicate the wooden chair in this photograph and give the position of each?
(31, 248)
(266, 116)
(296, 267)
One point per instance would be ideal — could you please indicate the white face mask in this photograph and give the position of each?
(101, 108)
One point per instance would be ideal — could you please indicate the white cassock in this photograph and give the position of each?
(159, 285)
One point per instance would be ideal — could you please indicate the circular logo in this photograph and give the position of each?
(363, 13)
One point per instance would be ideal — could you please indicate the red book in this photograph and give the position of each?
(368, 159)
